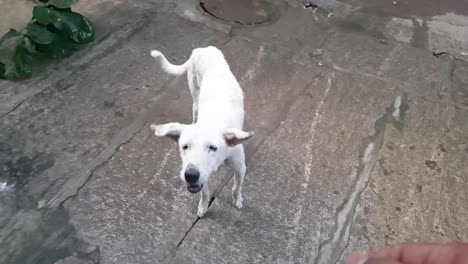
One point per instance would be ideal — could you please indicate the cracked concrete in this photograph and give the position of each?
(359, 143)
(332, 249)
(439, 27)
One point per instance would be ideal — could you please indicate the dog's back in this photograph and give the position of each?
(218, 94)
(221, 98)
(201, 60)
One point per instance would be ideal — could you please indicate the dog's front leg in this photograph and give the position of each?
(195, 112)
(204, 201)
(237, 186)
(194, 87)
(237, 163)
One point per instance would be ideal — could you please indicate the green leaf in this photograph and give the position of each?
(42, 14)
(10, 34)
(78, 27)
(74, 25)
(60, 48)
(2, 70)
(23, 60)
(39, 33)
(61, 3)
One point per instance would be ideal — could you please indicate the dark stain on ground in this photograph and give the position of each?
(385, 171)
(419, 188)
(382, 165)
(420, 34)
(383, 41)
(19, 163)
(28, 234)
(412, 8)
(118, 113)
(366, 210)
(459, 91)
(353, 26)
(432, 165)
(241, 12)
(109, 104)
(442, 148)
(18, 170)
(50, 238)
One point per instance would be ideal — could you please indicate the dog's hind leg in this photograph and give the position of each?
(237, 163)
(194, 112)
(204, 201)
(194, 90)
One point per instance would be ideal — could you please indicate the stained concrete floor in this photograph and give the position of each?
(361, 141)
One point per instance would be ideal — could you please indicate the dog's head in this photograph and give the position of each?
(202, 149)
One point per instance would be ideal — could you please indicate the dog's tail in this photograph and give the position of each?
(167, 66)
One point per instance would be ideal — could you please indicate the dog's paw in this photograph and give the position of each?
(202, 211)
(237, 200)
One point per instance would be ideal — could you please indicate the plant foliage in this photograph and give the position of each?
(54, 31)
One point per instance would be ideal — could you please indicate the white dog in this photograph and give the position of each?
(216, 135)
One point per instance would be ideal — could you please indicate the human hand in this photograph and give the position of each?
(415, 253)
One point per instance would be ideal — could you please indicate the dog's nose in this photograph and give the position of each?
(192, 175)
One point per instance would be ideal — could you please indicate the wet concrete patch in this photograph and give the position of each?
(21, 160)
(29, 234)
(440, 32)
(17, 171)
(39, 236)
(411, 8)
(459, 91)
(241, 12)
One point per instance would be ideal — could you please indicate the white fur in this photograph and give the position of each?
(218, 116)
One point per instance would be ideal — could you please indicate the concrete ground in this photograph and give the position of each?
(361, 139)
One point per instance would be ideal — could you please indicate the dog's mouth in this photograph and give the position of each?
(194, 188)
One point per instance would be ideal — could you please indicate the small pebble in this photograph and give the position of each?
(317, 52)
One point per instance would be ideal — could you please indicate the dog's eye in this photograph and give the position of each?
(212, 148)
(185, 147)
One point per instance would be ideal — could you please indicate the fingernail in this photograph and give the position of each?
(362, 260)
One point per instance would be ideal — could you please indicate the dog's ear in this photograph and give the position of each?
(171, 130)
(234, 136)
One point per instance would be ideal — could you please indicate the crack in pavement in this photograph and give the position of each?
(453, 65)
(446, 103)
(168, 259)
(14, 107)
(331, 250)
(79, 179)
(75, 183)
(308, 166)
(65, 194)
(364, 74)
